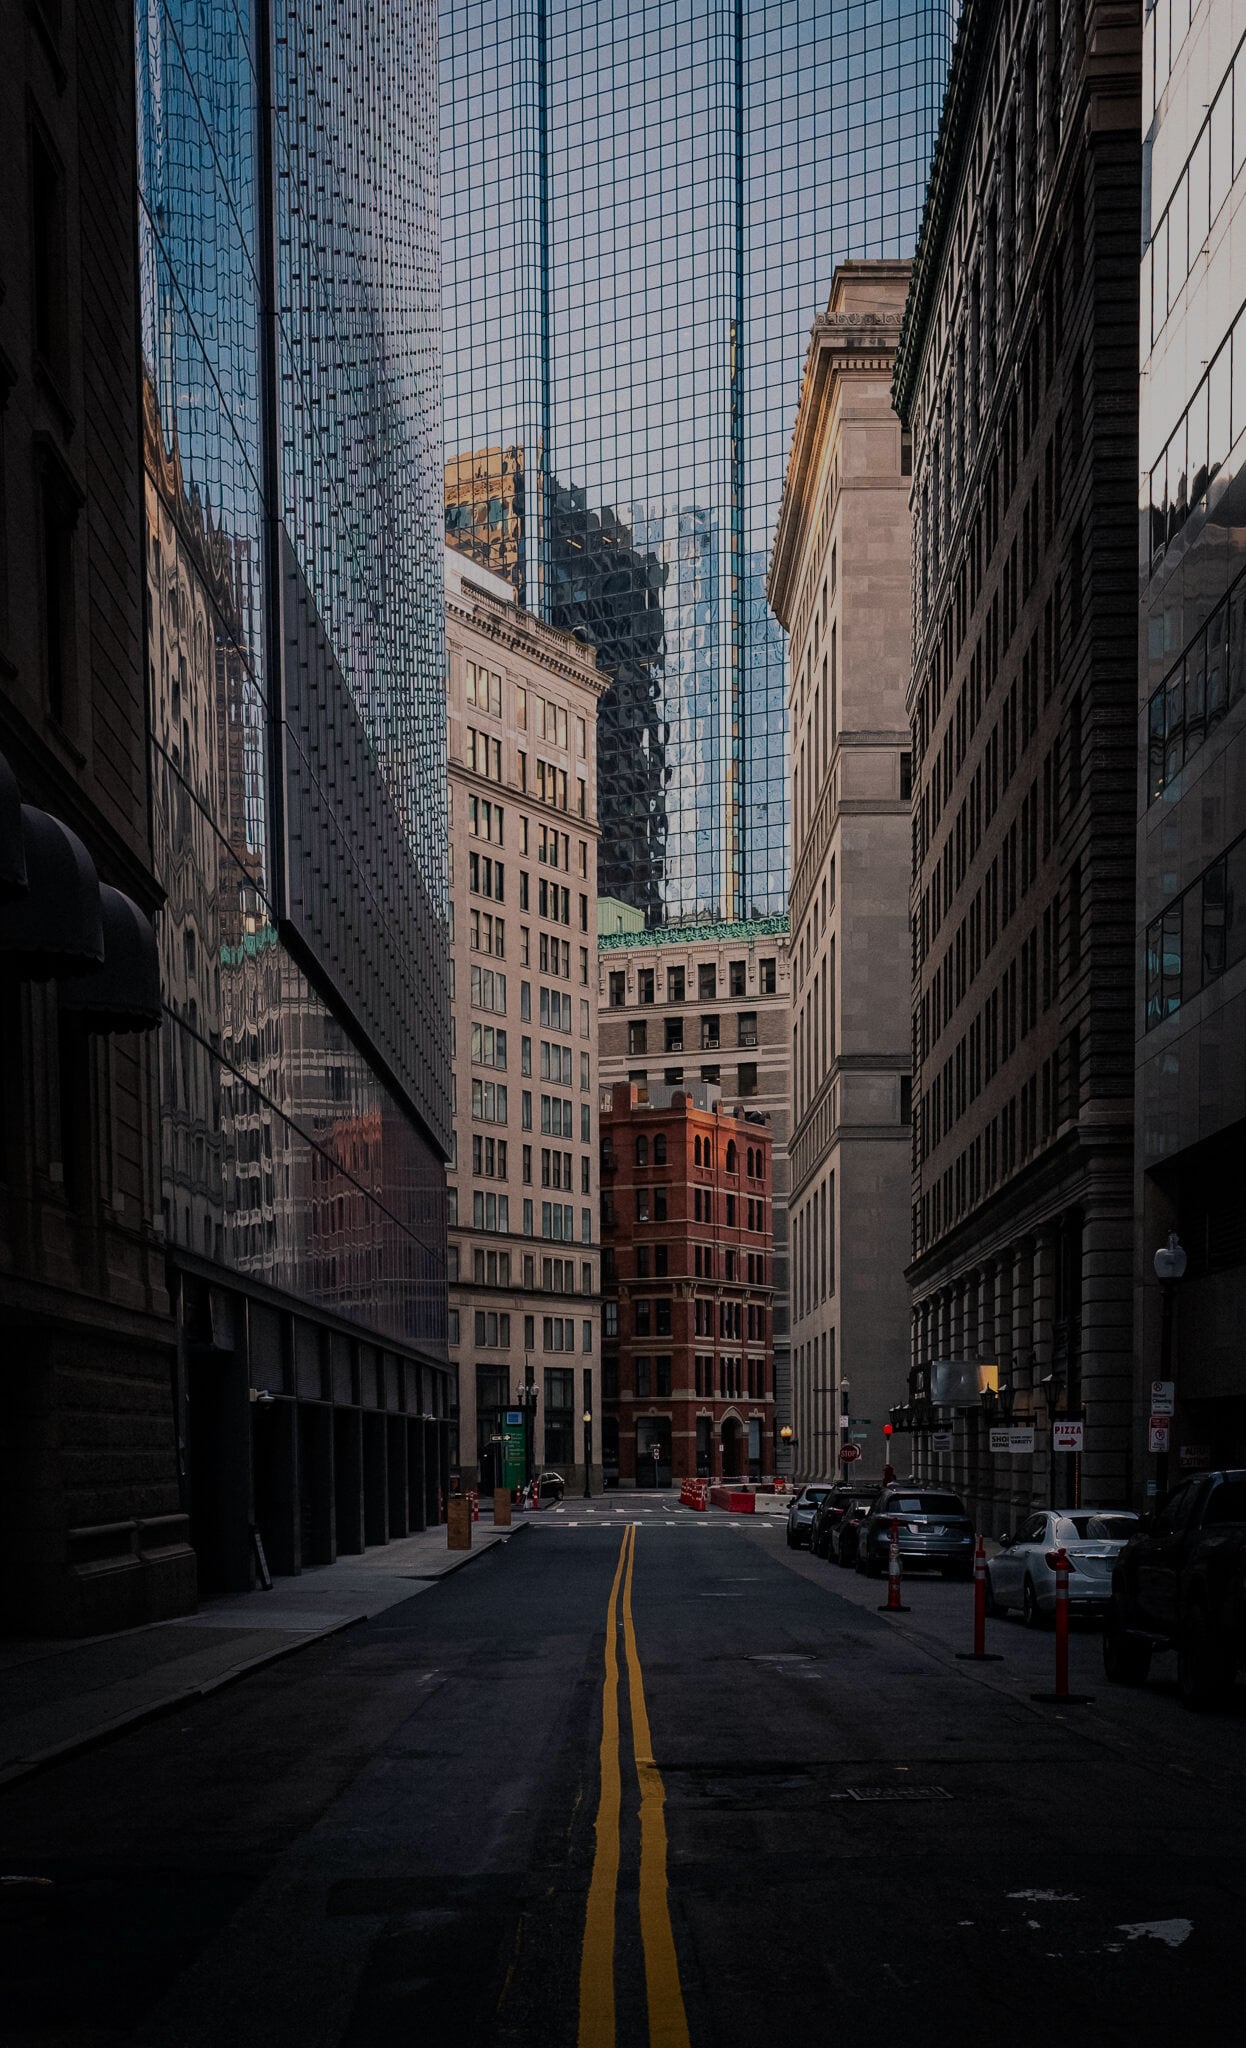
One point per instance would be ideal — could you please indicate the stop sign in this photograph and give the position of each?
(850, 1453)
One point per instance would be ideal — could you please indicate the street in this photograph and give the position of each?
(660, 1735)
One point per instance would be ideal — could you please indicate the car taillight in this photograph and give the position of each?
(1053, 1559)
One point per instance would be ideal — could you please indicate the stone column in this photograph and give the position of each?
(1042, 1309)
(1028, 1480)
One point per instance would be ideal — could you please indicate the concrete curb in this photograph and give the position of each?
(135, 1717)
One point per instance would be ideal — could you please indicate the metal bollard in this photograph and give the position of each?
(1062, 1697)
(979, 1653)
(892, 1604)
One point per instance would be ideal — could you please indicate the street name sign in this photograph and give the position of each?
(1018, 1442)
(1068, 1436)
(1163, 1397)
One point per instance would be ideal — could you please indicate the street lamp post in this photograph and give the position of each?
(1170, 1265)
(525, 1401)
(1053, 1387)
(587, 1419)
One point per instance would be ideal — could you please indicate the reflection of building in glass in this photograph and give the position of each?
(1191, 909)
(294, 569)
(487, 510)
(642, 209)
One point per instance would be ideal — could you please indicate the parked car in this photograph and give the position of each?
(801, 1513)
(1180, 1583)
(825, 1517)
(552, 1485)
(1023, 1574)
(934, 1528)
(846, 1533)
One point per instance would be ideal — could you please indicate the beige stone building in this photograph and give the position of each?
(840, 583)
(525, 1262)
(707, 1002)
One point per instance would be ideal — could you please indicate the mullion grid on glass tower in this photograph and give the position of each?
(624, 330)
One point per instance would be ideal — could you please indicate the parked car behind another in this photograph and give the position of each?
(934, 1528)
(825, 1517)
(801, 1513)
(847, 1531)
(1023, 1574)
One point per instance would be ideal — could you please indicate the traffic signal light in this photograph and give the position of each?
(886, 1429)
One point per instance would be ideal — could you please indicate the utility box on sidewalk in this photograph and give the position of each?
(501, 1507)
(459, 1523)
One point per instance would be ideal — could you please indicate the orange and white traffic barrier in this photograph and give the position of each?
(1062, 1697)
(892, 1604)
(979, 1653)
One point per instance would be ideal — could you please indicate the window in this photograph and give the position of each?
(637, 1036)
(707, 982)
(659, 1148)
(48, 282)
(662, 1377)
(737, 977)
(746, 1078)
(642, 1151)
(709, 1033)
(610, 1318)
(559, 1415)
(906, 778)
(766, 982)
(674, 1034)
(746, 1027)
(618, 990)
(675, 984)
(644, 985)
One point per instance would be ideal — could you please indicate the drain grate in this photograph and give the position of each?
(869, 1794)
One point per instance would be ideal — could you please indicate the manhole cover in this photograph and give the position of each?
(909, 1793)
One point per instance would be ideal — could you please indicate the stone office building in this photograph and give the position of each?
(525, 1308)
(839, 583)
(1190, 949)
(93, 1523)
(1016, 375)
(708, 1003)
(687, 1297)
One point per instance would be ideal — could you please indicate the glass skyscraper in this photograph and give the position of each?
(288, 199)
(642, 210)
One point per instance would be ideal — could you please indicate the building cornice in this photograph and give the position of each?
(563, 654)
(857, 341)
(742, 933)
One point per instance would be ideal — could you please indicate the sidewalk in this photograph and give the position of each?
(58, 1697)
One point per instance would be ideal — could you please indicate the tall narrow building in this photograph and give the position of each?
(1016, 375)
(295, 657)
(840, 586)
(525, 1307)
(642, 210)
(1190, 951)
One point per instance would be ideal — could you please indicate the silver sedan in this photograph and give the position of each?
(1023, 1574)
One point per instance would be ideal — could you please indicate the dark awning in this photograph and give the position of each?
(12, 850)
(54, 927)
(123, 995)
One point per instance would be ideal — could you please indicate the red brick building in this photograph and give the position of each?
(687, 1283)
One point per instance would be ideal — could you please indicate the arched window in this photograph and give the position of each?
(659, 1149)
(750, 1162)
(731, 1155)
(696, 1151)
(642, 1151)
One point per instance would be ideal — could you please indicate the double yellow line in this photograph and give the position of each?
(668, 2022)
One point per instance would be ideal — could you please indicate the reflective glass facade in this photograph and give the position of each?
(291, 357)
(642, 210)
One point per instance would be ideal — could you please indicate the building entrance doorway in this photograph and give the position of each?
(653, 1434)
(733, 1448)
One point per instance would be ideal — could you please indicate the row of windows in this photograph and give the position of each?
(813, 1248)
(493, 1269)
(1207, 681)
(551, 785)
(492, 1212)
(1201, 440)
(673, 1029)
(486, 820)
(488, 990)
(483, 688)
(707, 982)
(489, 1102)
(1026, 1123)
(746, 1077)
(489, 1158)
(1198, 937)
(1215, 160)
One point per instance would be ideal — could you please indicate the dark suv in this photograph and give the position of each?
(824, 1534)
(934, 1528)
(1180, 1583)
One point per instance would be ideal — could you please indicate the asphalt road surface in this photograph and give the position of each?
(642, 1776)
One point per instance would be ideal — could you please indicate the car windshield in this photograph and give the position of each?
(1096, 1528)
(922, 1504)
(814, 1495)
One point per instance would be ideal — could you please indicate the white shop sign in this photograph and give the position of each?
(1067, 1436)
(1015, 1442)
